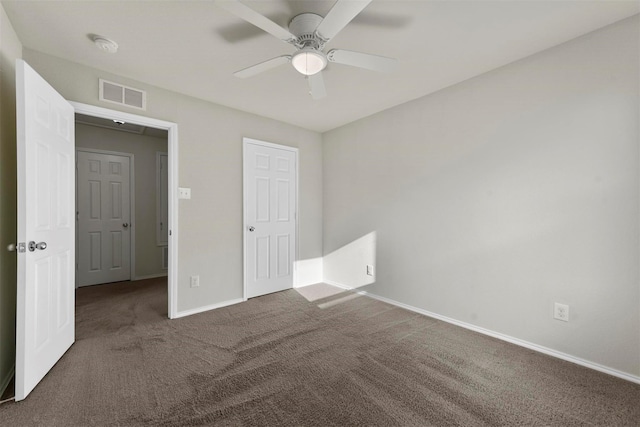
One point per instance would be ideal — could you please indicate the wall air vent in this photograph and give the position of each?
(123, 95)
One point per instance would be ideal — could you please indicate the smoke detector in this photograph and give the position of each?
(105, 44)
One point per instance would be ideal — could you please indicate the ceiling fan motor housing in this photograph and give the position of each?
(304, 26)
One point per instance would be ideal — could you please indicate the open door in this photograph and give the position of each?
(46, 228)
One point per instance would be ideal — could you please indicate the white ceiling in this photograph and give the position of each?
(193, 47)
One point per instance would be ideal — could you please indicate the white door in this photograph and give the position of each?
(103, 216)
(45, 293)
(270, 179)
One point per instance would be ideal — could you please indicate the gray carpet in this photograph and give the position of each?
(309, 357)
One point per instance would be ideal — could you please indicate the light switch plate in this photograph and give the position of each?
(195, 281)
(184, 193)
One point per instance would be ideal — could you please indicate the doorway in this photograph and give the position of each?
(170, 256)
(45, 143)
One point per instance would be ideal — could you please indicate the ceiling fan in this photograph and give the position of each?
(308, 33)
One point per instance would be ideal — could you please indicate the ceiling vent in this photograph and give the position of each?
(123, 95)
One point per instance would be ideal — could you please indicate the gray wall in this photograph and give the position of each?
(10, 50)
(492, 199)
(210, 163)
(148, 255)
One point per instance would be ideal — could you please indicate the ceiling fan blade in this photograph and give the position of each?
(316, 86)
(263, 66)
(239, 31)
(362, 60)
(339, 16)
(253, 17)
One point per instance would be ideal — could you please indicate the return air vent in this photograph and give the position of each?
(123, 95)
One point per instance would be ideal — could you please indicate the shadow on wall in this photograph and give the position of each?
(354, 264)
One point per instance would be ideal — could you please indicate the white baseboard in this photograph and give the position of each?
(7, 379)
(150, 276)
(207, 308)
(498, 335)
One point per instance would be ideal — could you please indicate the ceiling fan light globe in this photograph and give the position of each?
(309, 62)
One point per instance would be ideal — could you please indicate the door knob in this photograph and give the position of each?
(33, 246)
(125, 225)
(11, 247)
(252, 229)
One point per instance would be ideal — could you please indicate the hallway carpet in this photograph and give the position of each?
(315, 356)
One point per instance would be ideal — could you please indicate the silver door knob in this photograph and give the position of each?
(125, 225)
(252, 229)
(11, 247)
(33, 246)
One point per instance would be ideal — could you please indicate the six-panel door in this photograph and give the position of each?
(45, 284)
(270, 209)
(104, 224)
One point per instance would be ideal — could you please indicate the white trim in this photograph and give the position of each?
(295, 151)
(149, 276)
(132, 206)
(5, 382)
(498, 335)
(207, 308)
(172, 148)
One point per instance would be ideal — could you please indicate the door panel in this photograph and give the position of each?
(270, 203)
(104, 232)
(45, 285)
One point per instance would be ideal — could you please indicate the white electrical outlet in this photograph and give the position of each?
(195, 281)
(184, 193)
(369, 270)
(561, 312)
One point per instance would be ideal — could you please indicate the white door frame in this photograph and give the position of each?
(172, 148)
(246, 141)
(132, 205)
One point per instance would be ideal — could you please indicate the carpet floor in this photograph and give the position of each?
(314, 356)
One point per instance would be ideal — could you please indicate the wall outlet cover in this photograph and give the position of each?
(184, 193)
(561, 312)
(369, 270)
(195, 281)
